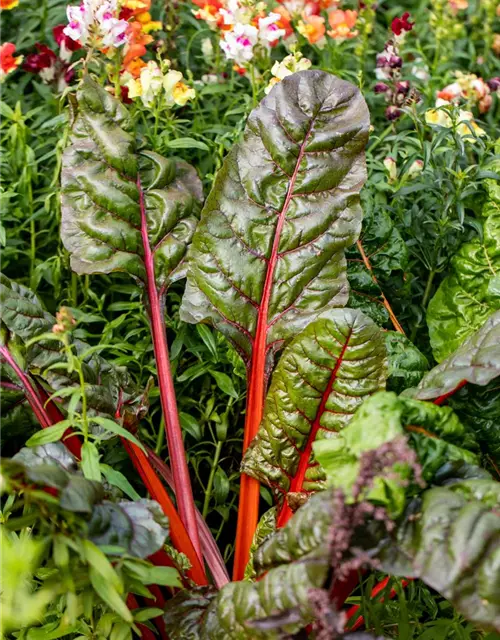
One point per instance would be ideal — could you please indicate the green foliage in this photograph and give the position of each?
(323, 376)
(435, 432)
(471, 293)
(72, 546)
(102, 178)
(272, 234)
(451, 542)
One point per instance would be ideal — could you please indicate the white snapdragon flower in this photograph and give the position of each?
(238, 44)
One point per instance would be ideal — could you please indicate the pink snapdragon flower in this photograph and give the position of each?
(238, 44)
(269, 31)
(96, 23)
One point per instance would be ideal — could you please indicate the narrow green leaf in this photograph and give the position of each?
(117, 429)
(109, 594)
(90, 462)
(51, 434)
(224, 383)
(117, 479)
(187, 143)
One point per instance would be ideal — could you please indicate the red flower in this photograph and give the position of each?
(44, 59)
(61, 39)
(399, 25)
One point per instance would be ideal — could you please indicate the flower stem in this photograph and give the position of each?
(210, 484)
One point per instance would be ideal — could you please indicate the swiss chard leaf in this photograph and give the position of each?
(140, 527)
(407, 365)
(471, 291)
(452, 543)
(288, 571)
(476, 361)
(127, 209)
(323, 376)
(435, 432)
(268, 255)
(104, 177)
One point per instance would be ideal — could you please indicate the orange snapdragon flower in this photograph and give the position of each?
(5, 5)
(7, 61)
(311, 27)
(342, 23)
(209, 12)
(285, 22)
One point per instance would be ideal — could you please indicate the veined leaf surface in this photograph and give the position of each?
(471, 291)
(268, 254)
(476, 361)
(104, 177)
(323, 376)
(452, 543)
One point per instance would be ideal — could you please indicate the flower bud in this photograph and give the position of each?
(494, 83)
(392, 112)
(403, 87)
(381, 87)
(415, 169)
(391, 167)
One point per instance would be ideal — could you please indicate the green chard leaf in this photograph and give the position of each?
(435, 432)
(323, 376)
(104, 177)
(268, 254)
(479, 409)
(450, 538)
(451, 541)
(289, 564)
(476, 361)
(471, 291)
(407, 365)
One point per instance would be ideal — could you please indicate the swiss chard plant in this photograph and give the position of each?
(373, 462)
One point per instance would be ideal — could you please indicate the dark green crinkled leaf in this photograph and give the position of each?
(476, 361)
(265, 528)
(283, 208)
(471, 291)
(435, 432)
(479, 409)
(407, 365)
(18, 420)
(323, 376)
(139, 527)
(388, 257)
(101, 218)
(48, 465)
(452, 543)
(294, 560)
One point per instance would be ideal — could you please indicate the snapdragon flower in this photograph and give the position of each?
(291, 64)
(447, 117)
(269, 31)
(238, 44)
(96, 23)
(153, 82)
